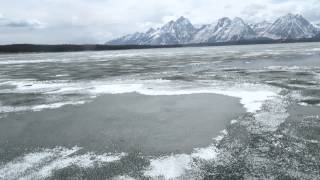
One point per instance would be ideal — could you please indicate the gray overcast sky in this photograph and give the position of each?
(96, 21)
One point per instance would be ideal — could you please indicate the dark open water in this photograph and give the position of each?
(277, 137)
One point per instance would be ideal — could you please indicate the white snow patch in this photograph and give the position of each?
(234, 121)
(169, 167)
(175, 166)
(8, 109)
(40, 165)
(208, 153)
(123, 178)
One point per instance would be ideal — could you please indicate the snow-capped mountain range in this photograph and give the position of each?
(225, 29)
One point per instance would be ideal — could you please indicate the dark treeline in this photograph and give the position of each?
(25, 48)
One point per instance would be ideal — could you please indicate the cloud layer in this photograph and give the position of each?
(96, 21)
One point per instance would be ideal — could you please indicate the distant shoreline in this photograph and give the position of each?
(42, 48)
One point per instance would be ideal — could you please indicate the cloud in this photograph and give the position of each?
(25, 24)
(254, 12)
(22, 23)
(311, 11)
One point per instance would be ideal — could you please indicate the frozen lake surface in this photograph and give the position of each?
(242, 112)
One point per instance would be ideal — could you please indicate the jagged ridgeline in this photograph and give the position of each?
(181, 31)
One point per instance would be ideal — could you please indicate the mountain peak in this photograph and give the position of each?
(183, 21)
(224, 19)
(291, 26)
(225, 30)
(238, 20)
(223, 22)
(182, 18)
(290, 15)
(293, 15)
(151, 30)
